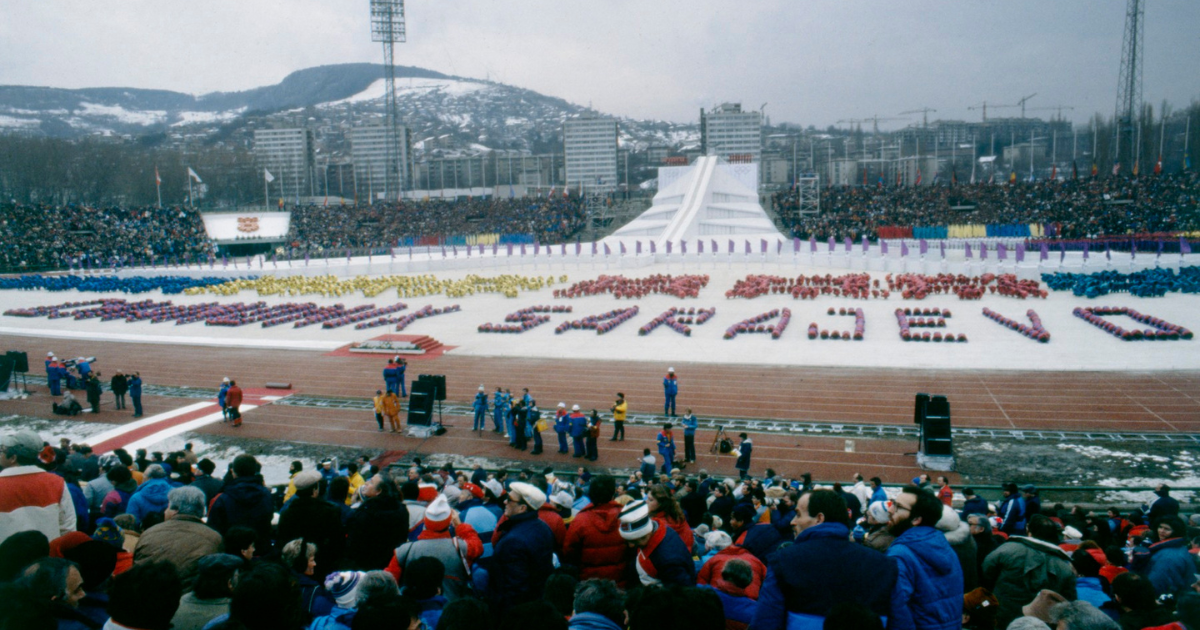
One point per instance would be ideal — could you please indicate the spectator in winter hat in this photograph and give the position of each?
(662, 558)
(43, 502)
(523, 557)
(444, 537)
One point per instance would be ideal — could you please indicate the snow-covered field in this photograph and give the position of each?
(1075, 344)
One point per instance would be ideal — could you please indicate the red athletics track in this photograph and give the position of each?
(1093, 401)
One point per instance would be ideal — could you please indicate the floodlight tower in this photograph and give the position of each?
(1129, 85)
(387, 26)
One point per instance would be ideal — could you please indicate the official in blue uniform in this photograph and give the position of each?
(497, 414)
(389, 377)
(666, 447)
(562, 426)
(401, 368)
(743, 461)
(670, 390)
(481, 408)
(578, 431)
(689, 423)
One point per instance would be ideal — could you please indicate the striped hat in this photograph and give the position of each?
(636, 521)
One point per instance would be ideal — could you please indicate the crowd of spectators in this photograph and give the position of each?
(164, 541)
(40, 237)
(1081, 208)
(549, 220)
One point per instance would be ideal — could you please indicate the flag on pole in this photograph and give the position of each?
(967, 250)
(266, 175)
(795, 244)
(903, 249)
(683, 245)
(1184, 246)
(942, 245)
(923, 246)
(1053, 172)
(192, 174)
(982, 251)
(1095, 169)
(1086, 249)
(918, 177)
(607, 250)
(812, 244)
(848, 243)
(653, 248)
(522, 249)
(157, 177)
(1020, 252)
(1158, 166)
(1012, 178)
(623, 248)
(638, 248)
(668, 247)
(831, 245)
(1045, 253)
(1074, 170)
(551, 194)
(594, 248)
(1001, 251)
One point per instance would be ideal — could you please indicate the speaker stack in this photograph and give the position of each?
(932, 413)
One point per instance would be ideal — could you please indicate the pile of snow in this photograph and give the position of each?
(132, 117)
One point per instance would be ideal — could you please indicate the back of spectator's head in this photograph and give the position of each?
(266, 598)
(852, 616)
(738, 573)
(18, 550)
(96, 561)
(187, 501)
(118, 475)
(423, 577)
(154, 471)
(387, 614)
(1042, 528)
(602, 489)
(146, 596)
(536, 614)
(829, 503)
(1116, 556)
(206, 466)
(465, 613)
(601, 597)
(411, 490)
(1080, 615)
(49, 581)
(1085, 564)
(214, 575)
(377, 586)
(339, 489)
(677, 608)
(245, 465)
(1134, 591)
(239, 539)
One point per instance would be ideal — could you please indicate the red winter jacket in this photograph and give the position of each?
(233, 397)
(710, 573)
(594, 544)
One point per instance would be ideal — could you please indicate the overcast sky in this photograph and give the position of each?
(812, 62)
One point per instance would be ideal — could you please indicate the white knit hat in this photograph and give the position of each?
(343, 585)
(636, 521)
(878, 512)
(438, 513)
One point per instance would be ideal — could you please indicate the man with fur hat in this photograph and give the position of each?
(445, 537)
(662, 558)
(310, 517)
(524, 555)
(958, 534)
(31, 498)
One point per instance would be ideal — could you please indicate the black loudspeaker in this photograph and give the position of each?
(936, 438)
(6, 371)
(921, 402)
(20, 360)
(439, 384)
(420, 403)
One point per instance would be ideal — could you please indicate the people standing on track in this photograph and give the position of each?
(221, 399)
(233, 400)
(593, 432)
(135, 393)
(578, 430)
(391, 409)
(536, 425)
(562, 426)
(670, 390)
(508, 417)
(93, 390)
(401, 368)
(497, 416)
(481, 408)
(119, 386)
(666, 447)
(619, 409)
(745, 449)
(378, 400)
(518, 426)
(389, 376)
(54, 375)
(689, 423)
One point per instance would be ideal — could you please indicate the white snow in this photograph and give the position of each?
(412, 87)
(134, 117)
(9, 121)
(1099, 452)
(192, 118)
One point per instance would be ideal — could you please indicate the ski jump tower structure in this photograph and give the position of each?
(708, 199)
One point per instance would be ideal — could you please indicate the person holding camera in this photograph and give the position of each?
(619, 408)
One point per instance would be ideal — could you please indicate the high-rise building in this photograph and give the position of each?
(590, 147)
(729, 133)
(288, 153)
(369, 150)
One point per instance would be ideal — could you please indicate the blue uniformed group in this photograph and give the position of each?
(393, 376)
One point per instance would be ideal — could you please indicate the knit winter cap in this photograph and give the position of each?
(437, 515)
(107, 531)
(636, 521)
(25, 442)
(426, 492)
(343, 585)
(475, 490)
(877, 512)
(527, 494)
(59, 546)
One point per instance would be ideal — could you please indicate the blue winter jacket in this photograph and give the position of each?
(975, 505)
(673, 561)
(1012, 510)
(1089, 590)
(578, 425)
(135, 387)
(591, 621)
(337, 619)
(149, 497)
(689, 423)
(1168, 566)
(483, 520)
(738, 609)
(929, 582)
(821, 569)
(480, 402)
(221, 394)
(523, 560)
(670, 385)
(666, 445)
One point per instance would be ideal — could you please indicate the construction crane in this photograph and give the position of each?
(924, 111)
(1022, 102)
(1053, 108)
(984, 107)
(873, 119)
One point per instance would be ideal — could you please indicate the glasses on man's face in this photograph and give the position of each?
(897, 507)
